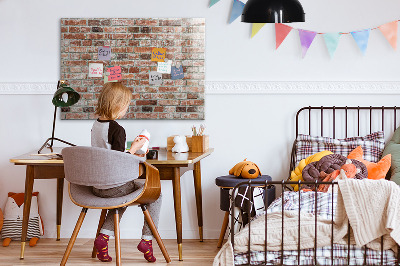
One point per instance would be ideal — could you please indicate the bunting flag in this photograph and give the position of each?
(281, 31)
(213, 2)
(306, 39)
(237, 9)
(256, 28)
(332, 41)
(389, 30)
(361, 37)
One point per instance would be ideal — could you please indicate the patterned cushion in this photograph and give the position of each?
(372, 144)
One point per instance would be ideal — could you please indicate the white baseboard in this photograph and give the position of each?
(248, 87)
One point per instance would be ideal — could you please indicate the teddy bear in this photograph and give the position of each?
(13, 215)
(245, 169)
(180, 144)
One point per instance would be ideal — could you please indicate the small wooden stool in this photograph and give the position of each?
(226, 183)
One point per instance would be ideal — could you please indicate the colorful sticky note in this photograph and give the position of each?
(164, 67)
(158, 54)
(115, 73)
(155, 78)
(95, 70)
(106, 74)
(104, 53)
(177, 72)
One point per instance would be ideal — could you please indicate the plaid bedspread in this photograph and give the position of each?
(307, 202)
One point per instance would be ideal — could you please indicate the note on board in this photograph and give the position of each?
(164, 67)
(115, 73)
(95, 70)
(155, 78)
(158, 54)
(104, 53)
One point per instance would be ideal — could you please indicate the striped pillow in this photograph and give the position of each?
(372, 145)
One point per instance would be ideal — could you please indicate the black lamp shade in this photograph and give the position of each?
(71, 99)
(273, 11)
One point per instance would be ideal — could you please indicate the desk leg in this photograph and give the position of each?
(176, 182)
(27, 206)
(60, 190)
(199, 204)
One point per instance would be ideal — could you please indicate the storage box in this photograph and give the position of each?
(171, 143)
(200, 143)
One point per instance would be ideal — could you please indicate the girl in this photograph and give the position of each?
(106, 133)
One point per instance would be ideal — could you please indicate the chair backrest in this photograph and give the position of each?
(92, 166)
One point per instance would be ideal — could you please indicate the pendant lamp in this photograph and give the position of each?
(63, 97)
(272, 11)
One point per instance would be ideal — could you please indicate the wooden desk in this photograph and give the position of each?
(168, 164)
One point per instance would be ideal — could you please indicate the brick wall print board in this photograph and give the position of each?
(132, 41)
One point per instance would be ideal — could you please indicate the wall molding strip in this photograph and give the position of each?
(247, 87)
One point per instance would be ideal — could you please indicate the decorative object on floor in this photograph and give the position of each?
(245, 169)
(393, 148)
(137, 46)
(180, 144)
(12, 224)
(273, 11)
(64, 97)
(375, 170)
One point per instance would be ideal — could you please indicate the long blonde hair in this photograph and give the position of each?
(113, 97)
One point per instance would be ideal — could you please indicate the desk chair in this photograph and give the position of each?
(85, 167)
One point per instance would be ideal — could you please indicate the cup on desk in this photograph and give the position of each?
(152, 155)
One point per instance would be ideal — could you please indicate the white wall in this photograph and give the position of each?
(257, 126)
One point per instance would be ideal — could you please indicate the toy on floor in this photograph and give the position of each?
(13, 215)
(245, 169)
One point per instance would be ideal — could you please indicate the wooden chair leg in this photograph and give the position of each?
(117, 238)
(154, 230)
(101, 222)
(73, 237)
(223, 229)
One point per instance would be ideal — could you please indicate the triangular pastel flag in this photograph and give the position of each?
(332, 41)
(390, 32)
(237, 9)
(306, 39)
(213, 2)
(361, 37)
(255, 28)
(281, 31)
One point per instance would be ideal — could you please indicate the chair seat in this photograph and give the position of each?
(83, 196)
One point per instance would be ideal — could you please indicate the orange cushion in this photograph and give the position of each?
(375, 170)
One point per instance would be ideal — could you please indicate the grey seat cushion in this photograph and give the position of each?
(83, 196)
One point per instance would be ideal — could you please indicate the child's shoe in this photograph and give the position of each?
(101, 245)
(146, 247)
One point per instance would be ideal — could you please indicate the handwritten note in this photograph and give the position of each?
(158, 54)
(104, 53)
(155, 78)
(115, 73)
(95, 70)
(177, 72)
(164, 67)
(106, 74)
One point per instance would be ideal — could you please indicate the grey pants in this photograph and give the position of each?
(154, 208)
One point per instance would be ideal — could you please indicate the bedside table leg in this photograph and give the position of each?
(223, 230)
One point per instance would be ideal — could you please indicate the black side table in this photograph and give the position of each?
(226, 183)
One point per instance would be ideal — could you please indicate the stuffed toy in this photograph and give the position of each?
(296, 174)
(13, 215)
(245, 169)
(348, 170)
(180, 144)
(375, 170)
(1, 219)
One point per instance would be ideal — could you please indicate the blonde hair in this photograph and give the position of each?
(113, 97)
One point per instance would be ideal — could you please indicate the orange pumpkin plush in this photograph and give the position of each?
(375, 170)
(245, 169)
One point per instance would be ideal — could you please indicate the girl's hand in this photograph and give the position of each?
(137, 144)
(143, 155)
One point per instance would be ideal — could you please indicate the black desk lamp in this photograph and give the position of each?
(272, 11)
(63, 97)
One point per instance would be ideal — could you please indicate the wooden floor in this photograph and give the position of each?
(50, 252)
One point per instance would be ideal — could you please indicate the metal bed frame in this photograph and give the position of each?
(283, 184)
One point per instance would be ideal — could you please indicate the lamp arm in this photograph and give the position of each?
(54, 126)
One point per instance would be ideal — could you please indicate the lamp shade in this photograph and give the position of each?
(273, 11)
(65, 96)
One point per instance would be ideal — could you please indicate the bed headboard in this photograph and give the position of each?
(344, 121)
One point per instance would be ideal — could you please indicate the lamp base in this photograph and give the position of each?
(50, 146)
